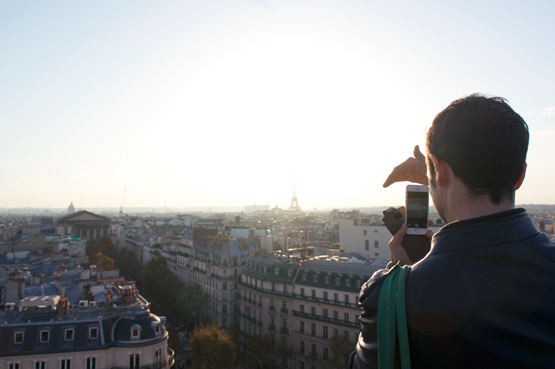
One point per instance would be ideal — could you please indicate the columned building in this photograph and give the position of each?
(85, 224)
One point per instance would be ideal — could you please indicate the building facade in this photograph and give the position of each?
(43, 332)
(304, 304)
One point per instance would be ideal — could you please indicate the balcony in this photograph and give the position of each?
(167, 364)
(272, 308)
(322, 318)
(284, 330)
(284, 311)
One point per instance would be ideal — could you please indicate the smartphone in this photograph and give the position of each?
(416, 209)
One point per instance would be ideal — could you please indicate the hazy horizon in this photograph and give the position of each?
(226, 103)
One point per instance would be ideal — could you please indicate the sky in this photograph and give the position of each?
(228, 103)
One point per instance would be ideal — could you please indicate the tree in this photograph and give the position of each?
(105, 262)
(212, 348)
(340, 350)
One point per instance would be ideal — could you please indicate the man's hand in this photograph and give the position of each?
(412, 170)
(396, 249)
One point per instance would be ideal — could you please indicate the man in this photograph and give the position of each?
(484, 296)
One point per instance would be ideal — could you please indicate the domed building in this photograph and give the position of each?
(71, 208)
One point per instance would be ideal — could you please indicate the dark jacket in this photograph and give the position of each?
(484, 297)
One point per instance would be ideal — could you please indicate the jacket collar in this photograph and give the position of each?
(508, 226)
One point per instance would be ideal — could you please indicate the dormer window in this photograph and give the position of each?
(44, 335)
(327, 279)
(18, 337)
(93, 333)
(69, 334)
(135, 332)
(315, 278)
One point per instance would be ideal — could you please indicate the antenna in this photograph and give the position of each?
(122, 200)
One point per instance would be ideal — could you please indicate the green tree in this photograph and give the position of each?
(212, 348)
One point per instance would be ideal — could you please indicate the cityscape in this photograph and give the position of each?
(278, 287)
(200, 184)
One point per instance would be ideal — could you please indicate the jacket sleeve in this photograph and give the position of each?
(366, 354)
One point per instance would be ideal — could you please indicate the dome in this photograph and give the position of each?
(71, 208)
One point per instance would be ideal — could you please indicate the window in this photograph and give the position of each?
(313, 294)
(376, 254)
(366, 245)
(301, 328)
(225, 286)
(327, 279)
(325, 352)
(336, 297)
(134, 361)
(224, 308)
(44, 335)
(365, 232)
(91, 363)
(315, 278)
(302, 292)
(158, 356)
(304, 276)
(346, 317)
(65, 364)
(69, 334)
(325, 313)
(335, 332)
(313, 329)
(40, 364)
(13, 365)
(302, 308)
(312, 310)
(347, 296)
(346, 334)
(18, 337)
(135, 332)
(301, 349)
(335, 315)
(314, 348)
(325, 331)
(376, 244)
(93, 333)
(325, 296)
(337, 281)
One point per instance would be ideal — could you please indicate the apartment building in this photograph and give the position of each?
(304, 303)
(215, 263)
(46, 328)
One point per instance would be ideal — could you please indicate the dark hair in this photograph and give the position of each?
(484, 141)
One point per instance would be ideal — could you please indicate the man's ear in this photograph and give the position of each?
(522, 175)
(442, 169)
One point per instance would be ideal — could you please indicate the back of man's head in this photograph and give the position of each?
(484, 141)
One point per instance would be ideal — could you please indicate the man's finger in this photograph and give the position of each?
(417, 154)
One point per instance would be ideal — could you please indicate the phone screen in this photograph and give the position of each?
(417, 209)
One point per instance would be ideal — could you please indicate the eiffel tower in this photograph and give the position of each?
(294, 203)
